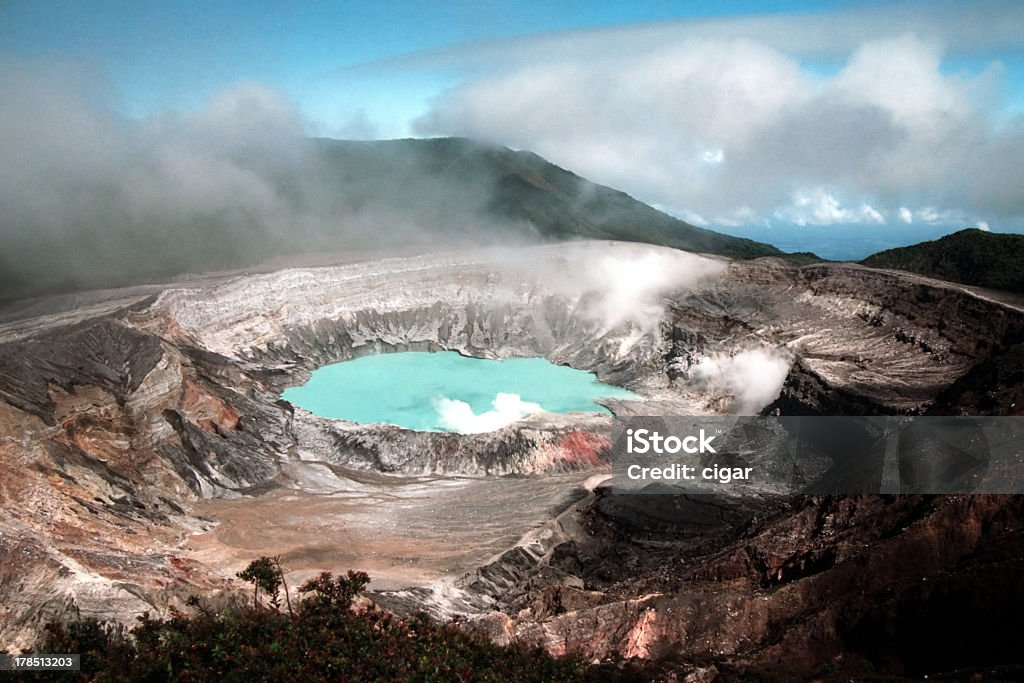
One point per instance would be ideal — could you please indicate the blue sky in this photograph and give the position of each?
(173, 55)
(804, 115)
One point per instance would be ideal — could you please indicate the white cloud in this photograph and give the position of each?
(871, 214)
(623, 283)
(714, 156)
(825, 208)
(753, 378)
(104, 195)
(931, 215)
(891, 129)
(983, 225)
(903, 77)
(821, 207)
(906, 215)
(458, 416)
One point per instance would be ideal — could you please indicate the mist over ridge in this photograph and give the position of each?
(94, 199)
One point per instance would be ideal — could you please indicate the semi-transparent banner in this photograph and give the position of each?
(783, 455)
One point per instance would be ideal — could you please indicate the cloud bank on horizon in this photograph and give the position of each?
(725, 129)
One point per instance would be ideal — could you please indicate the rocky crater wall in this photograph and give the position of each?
(113, 424)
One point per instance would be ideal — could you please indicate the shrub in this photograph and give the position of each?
(324, 640)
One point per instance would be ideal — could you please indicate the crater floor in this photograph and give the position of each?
(145, 454)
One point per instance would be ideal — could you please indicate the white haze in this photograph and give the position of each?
(88, 192)
(93, 198)
(730, 128)
(618, 283)
(458, 416)
(753, 377)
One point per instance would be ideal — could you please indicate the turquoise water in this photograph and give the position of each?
(448, 392)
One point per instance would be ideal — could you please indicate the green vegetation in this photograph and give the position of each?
(324, 639)
(265, 574)
(972, 257)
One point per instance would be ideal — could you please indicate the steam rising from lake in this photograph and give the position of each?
(458, 416)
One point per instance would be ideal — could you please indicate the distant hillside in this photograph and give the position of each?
(469, 186)
(972, 257)
(326, 196)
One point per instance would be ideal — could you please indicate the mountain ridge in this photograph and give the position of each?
(335, 195)
(523, 187)
(971, 257)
